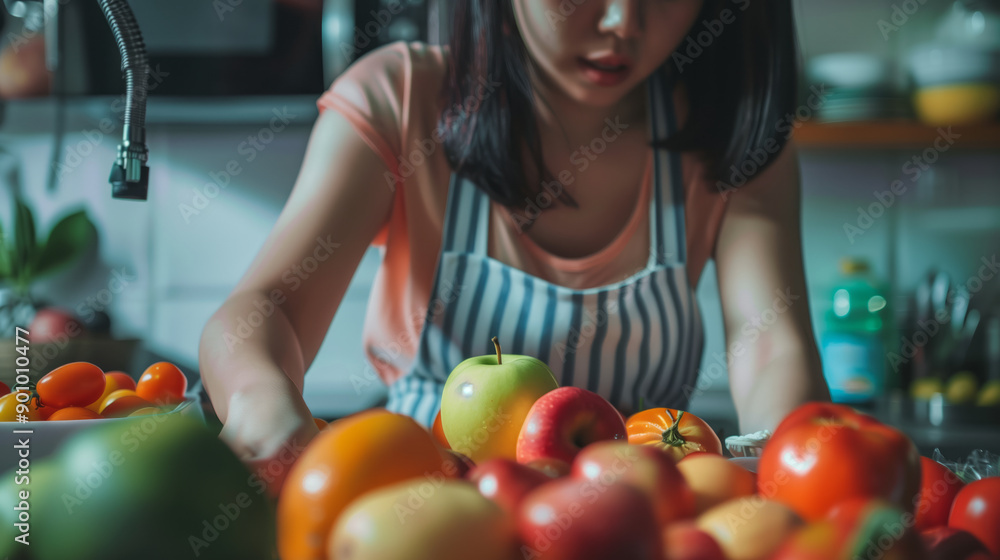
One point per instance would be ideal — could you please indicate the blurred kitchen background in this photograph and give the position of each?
(900, 152)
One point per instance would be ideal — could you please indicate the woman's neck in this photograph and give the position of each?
(563, 118)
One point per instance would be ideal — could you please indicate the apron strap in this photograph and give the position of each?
(466, 223)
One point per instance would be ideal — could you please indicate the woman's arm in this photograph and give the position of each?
(774, 365)
(256, 348)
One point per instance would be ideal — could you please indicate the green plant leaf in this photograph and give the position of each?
(25, 242)
(67, 240)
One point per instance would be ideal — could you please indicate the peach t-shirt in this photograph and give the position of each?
(391, 97)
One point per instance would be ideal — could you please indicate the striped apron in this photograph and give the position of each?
(640, 338)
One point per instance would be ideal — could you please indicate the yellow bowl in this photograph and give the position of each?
(957, 103)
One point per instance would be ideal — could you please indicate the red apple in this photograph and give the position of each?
(564, 421)
(646, 467)
(506, 482)
(52, 324)
(685, 541)
(553, 468)
(572, 519)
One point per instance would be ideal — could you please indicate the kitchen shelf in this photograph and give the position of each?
(892, 135)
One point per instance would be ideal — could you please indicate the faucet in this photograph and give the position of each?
(129, 174)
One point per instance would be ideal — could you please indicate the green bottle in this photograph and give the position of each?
(854, 341)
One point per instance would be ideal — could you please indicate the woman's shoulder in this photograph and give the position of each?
(394, 70)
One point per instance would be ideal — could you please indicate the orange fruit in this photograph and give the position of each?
(74, 413)
(122, 403)
(438, 430)
(352, 456)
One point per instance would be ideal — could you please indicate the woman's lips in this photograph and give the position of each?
(605, 71)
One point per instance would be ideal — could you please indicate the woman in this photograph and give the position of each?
(511, 183)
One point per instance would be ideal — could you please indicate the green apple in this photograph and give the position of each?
(424, 519)
(487, 398)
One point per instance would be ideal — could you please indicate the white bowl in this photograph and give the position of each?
(849, 70)
(933, 64)
(48, 436)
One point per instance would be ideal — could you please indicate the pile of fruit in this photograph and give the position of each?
(516, 467)
(82, 391)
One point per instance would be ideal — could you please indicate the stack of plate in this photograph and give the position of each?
(857, 87)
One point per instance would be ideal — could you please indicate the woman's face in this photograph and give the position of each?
(596, 51)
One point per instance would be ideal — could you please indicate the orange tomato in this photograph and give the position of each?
(352, 456)
(675, 431)
(122, 403)
(74, 413)
(162, 383)
(111, 384)
(320, 423)
(8, 407)
(125, 380)
(716, 479)
(438, 431)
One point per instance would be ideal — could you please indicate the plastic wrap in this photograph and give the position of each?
(978, 465)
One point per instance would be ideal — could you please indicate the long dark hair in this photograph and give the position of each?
(740, 88)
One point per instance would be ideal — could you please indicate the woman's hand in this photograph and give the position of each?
(268, 429)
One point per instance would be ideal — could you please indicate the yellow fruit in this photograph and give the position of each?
(924, 389)
(957, 103)
(989, 395)
(962, 388)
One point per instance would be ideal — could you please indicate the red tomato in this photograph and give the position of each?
(938, 488)
(74, 384)
(74, 413)
(4, 388)
(162, 383)
(124, 380)
(977, 510)
(122, 403)
(823, 453)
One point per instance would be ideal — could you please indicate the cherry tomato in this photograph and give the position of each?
(122, 403)
(938, 488)
(74, 413)
(977, 510)
(162, 383)
(110, 386)
(8, 407)
(75, 384)
(4, 388)
(125, 380)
